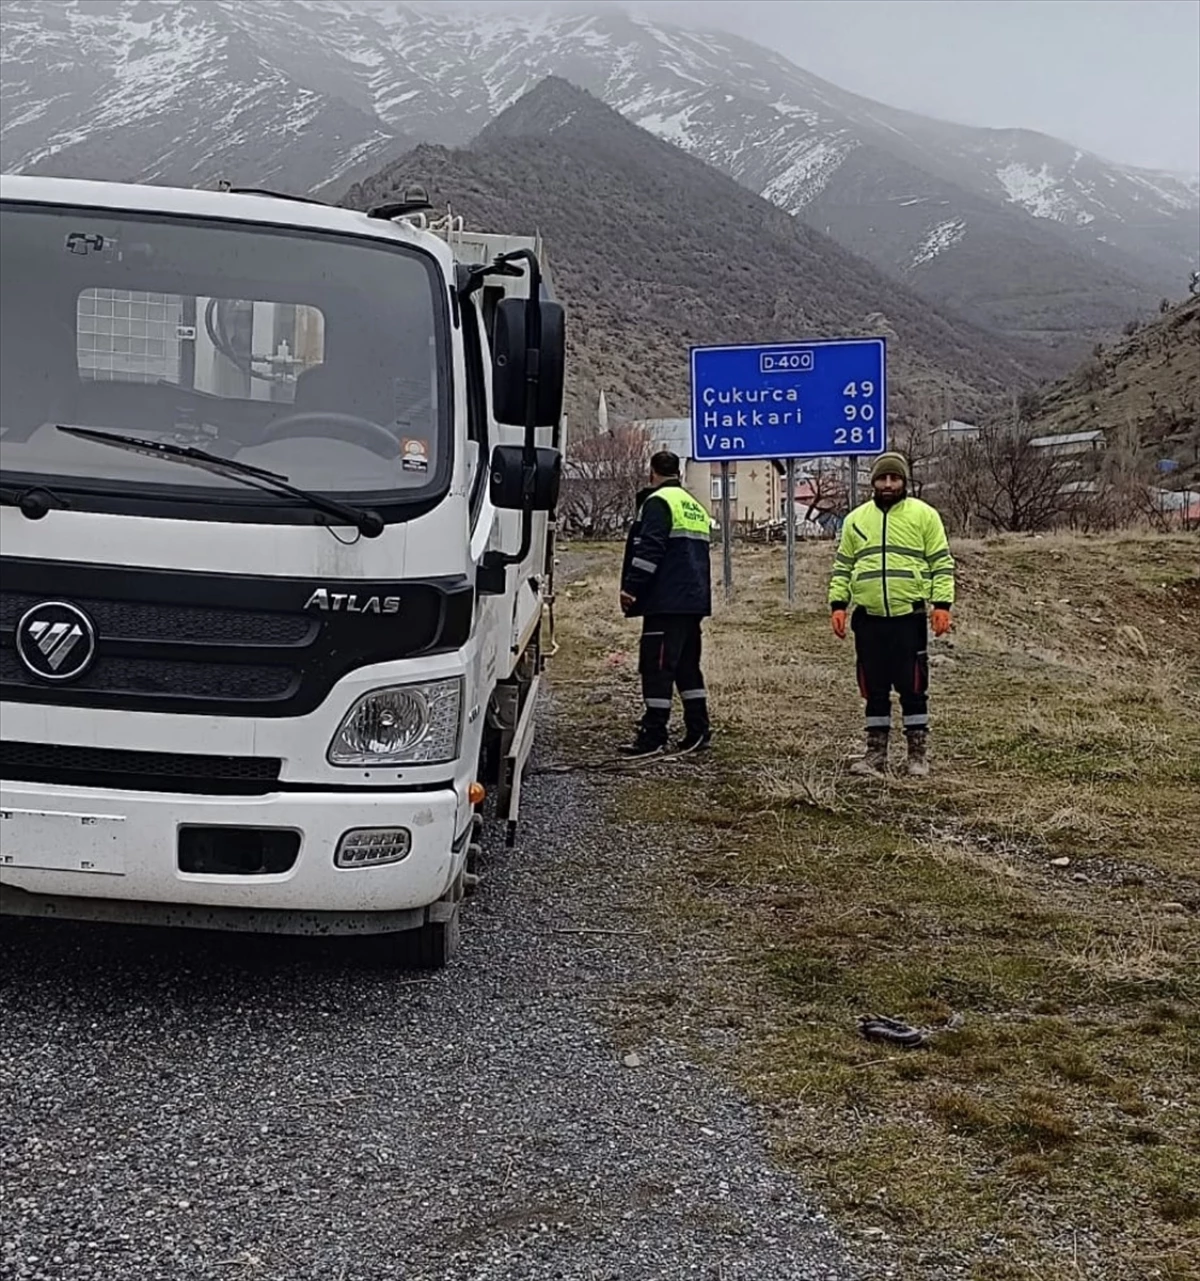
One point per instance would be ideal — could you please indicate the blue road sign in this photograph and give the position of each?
(789, 400)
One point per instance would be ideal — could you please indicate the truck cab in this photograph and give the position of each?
(276, 544)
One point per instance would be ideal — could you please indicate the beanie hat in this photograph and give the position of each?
(895, 464)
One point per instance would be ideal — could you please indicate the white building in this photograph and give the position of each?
(1072, 442)
(955, 429)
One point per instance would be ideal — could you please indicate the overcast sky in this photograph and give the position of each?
(1118, 77)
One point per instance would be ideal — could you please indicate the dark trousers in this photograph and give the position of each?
(669, 658)
(892, 654)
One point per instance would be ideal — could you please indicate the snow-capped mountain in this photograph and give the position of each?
(645, 276)
(311, 94)
(173, 92)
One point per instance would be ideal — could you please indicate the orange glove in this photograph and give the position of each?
(941, 622)
(839, 623)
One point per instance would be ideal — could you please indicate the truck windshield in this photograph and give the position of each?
(315, 356)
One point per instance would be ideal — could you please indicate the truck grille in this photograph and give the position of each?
(138, 771)
(149, 621)
(220, 644)
(174, 678)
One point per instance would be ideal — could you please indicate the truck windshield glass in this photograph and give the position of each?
(314, 356)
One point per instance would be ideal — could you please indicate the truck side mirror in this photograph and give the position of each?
(508, 363)
(507, 480)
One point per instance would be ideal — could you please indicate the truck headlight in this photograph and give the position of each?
(401, 725)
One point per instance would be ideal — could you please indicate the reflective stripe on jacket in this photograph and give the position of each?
(893, 559)
(666, 567)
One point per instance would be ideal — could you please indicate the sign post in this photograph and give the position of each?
(726, 533)
(790, 517)
(821, 399)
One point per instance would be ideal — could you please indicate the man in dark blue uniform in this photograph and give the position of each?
(666, 582)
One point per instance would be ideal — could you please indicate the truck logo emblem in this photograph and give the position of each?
(56, 641)
(351, 603)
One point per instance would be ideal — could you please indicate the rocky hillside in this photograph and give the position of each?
(655, 251)
(1023, 231)
(1144, 388)
(982, 258)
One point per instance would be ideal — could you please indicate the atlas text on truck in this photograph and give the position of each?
(276, 544)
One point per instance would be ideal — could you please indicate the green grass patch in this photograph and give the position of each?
(1054, 1133)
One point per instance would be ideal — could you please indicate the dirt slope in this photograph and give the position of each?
(1148, 385)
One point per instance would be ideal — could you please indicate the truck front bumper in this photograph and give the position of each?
(84, 853)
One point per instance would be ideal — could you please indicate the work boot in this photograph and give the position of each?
(918, 761)
(695, 740)
(876, 759)
(642, 745)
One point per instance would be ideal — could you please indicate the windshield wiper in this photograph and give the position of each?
(34, 502)
(368, 523)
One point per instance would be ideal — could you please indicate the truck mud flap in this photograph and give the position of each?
(509, 801)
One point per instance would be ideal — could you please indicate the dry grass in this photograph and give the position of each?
(1054, 1135)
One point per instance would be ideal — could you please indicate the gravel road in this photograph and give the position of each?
(184, 1106)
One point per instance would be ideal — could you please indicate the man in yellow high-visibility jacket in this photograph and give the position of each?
(892, 562)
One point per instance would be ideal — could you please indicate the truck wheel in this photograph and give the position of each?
(429, 948)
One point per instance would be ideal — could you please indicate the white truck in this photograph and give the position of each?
(276, 543)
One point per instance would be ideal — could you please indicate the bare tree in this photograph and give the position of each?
(1001, 482)
(828, 494)
(602, 474)
(1127, 492)
(917, 442)
(1029, 405)
(958, 488)
(1092, 375)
